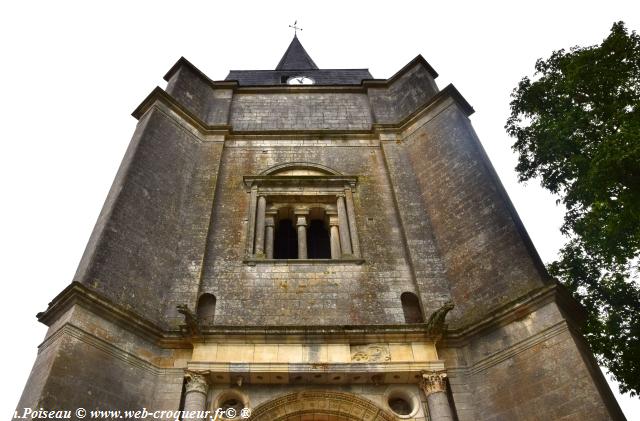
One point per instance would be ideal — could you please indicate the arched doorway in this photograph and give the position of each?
(328, 405)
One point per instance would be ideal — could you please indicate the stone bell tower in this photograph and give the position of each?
(313, 244)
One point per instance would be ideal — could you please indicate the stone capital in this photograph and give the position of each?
(196, 382)
(301, 220)
(300, 211)
(270, 219)
(433, 382)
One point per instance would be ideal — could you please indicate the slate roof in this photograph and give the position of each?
(296, 58)
(297, 62)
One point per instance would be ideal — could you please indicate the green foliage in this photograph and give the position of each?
(577, 128)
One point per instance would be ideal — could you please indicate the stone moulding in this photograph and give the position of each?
(517, 348)
(300, 165)
(341, 261)
(108, 348)
(159, 95)
(226, 84)
(77, 293)
(294, 406)
(516, 309)
(289, 369)
(372, 334)
(333, 182)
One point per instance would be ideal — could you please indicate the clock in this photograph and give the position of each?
(300, 80)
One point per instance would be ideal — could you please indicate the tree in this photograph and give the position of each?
(576, 126)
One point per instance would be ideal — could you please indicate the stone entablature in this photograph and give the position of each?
(309, 362)
(381, 352)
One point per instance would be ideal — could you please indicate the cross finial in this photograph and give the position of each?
(295, 28)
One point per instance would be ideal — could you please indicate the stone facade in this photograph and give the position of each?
(411, 206)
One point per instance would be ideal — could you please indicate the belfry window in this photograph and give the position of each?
(301, 212)
(318, 241)
(286, 241)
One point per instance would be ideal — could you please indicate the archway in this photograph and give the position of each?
(327, 405)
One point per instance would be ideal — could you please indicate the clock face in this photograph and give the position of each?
(300, 80)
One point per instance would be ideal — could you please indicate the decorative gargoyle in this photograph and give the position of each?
(191, 321)
(436, 325)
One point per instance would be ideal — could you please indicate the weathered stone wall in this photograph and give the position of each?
(193, 92)
(300, 111)
(38, 377)
(315, 293)
(149, 238)
(530, 369)
(488, 257)
(89, 362)
(190, 91)
(418, 234)
(470, 223)
(431, 216)
(219, 109)
(85, 377)
(404, 95)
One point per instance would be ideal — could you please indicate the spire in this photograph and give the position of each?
(296, 58)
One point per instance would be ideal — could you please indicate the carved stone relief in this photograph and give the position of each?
(371, 353)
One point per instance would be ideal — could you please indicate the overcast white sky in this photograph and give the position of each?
(73, 71)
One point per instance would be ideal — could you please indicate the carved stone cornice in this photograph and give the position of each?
(433, 382)
(336, 183)
(365, 83)
(196, 382)
(317, 373)
(500, 316)
(158, 95)
(171, 337)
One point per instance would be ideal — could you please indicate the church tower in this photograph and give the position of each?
(313, 244)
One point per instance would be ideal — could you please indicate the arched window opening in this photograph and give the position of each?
(206, 309)
(286, 241)
(411, 308)
(301, 211)
(318, 243)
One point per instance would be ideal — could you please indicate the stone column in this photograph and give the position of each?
(335, 236)
(351, 213)
(434, 386)
(345, 238)
(301, 224)
(262, 207)
(269, 224)
(252, 220)
(195, 396)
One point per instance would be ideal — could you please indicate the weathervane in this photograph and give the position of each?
(295, 28)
